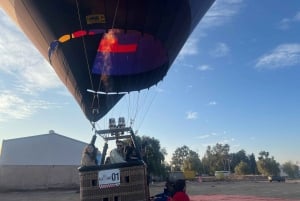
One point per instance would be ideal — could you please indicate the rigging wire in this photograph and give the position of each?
(95, 96)
(106, 55)
(138, 107)
(95, 102)
(84, 45)
(115, 16)
(131, 105)
(139, 103)
(147, 110)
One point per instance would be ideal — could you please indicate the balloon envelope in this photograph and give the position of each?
(103, 48)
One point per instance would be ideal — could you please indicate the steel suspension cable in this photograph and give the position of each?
(84, 45)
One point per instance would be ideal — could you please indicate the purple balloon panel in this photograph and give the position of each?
(128, 53)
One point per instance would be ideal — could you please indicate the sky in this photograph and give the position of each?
(236, 81)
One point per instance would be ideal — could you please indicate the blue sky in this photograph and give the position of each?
(235, 81)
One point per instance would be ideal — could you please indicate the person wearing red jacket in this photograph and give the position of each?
(180, 191)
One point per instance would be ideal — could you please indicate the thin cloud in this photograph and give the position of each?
(212, 144)
(252, 138)
(225, 141)
(286, 23)
(190, 48)
(20, 59)
(191, 115)
(208, 144)
(220, 50)
(29, 74)
(221, 12)
(205, 136)
(42, 76)
(159, 90)
(15, 107)
(215, 138)
(211, 103)
(297, 17)
(282, 56)
(236, 146)
(204, 68)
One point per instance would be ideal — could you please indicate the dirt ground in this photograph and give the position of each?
(204, 191)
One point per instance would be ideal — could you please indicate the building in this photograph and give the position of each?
(42, 161)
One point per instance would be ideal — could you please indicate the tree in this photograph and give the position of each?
(179, 156)
(266, 165)
(292, 170)
(192, 162)
(206, 165)
(252, 164)
(153, 155)
(216, 158)
(242, 168)
(238, 157)
(222, 154)
(241, 156)
(263, 155)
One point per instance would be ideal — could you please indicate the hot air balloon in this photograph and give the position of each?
(103, 49)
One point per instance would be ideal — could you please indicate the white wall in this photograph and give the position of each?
(48, 149)
(28, 177)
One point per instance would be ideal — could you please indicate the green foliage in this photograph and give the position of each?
(267, 166)
(237, 157)
(179, 156)
(153, 155)
(242, 168)
(192, 162)
(216, 158)
(220, 176)
(252, 164)
(292, 170)
(241, 156)
(185, 159)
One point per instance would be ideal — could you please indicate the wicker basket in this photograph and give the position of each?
(133, 184)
